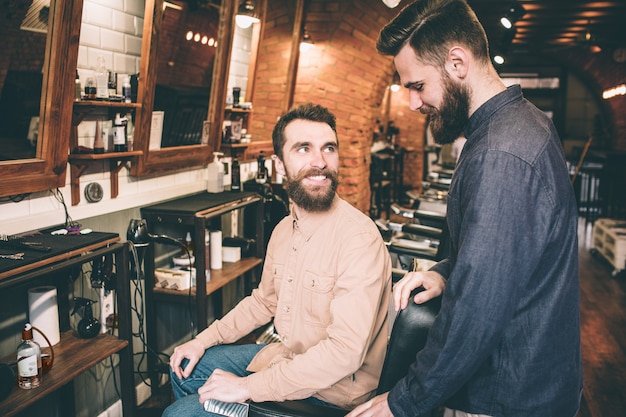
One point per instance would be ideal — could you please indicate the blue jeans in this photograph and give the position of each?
(230, 358)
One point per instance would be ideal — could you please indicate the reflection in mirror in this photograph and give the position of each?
(23, 30)
(185, 59)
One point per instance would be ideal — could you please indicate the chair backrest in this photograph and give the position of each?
(408, 337)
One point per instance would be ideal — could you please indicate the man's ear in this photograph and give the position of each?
(280, 167)
(457, 62)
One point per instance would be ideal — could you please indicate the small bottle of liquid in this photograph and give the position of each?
(235, 182)
(29, 370)
(90, 89)
(126, 89)
(102, 79)
(78, 89)
(119, 134)
(261, 173)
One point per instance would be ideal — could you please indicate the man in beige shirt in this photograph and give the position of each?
(326, 283)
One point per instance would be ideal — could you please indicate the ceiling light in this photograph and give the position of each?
(391, 3)
(246, 14)
(395, 83)
(514, 13)
(306, 43)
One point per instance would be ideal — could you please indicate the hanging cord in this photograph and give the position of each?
(69, 223)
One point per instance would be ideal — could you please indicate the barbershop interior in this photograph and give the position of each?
(138, 190)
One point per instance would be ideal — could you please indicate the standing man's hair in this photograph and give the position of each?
(308, 111)
(432, 27)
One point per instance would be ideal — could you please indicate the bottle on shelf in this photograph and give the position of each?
(261, 173)
(126, 89)
(29, 369)
(235, 182)
(78, 89)
(90, 89)
(119, 133)
(102, 79)
(99, 138)
(215, 174)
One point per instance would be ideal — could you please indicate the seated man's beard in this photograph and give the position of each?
(447, 123)
(317, 198)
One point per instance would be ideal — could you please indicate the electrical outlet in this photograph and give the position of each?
(106, 308)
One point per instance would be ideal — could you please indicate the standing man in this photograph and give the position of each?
(326, 283)
(506, 342)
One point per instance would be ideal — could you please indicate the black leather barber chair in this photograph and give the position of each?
(408, 337)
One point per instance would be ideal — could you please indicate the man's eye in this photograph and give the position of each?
(303, 149)
(417, 87)
(330, 149)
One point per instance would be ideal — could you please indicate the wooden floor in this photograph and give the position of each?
(603, 330)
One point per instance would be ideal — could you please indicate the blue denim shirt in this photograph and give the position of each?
(507, 339)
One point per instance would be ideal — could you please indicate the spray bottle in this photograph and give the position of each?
(215, 174)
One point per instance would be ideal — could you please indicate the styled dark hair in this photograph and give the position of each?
(431, 27)
(308, 111)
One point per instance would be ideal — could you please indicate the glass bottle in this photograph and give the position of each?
(29, 369)
(102, 79)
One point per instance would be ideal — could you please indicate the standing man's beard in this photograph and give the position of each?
(447, 122)
(311, 198)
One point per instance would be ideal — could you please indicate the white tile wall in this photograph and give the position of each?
(113, 28)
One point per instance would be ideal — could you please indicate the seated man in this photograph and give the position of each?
(326, 283)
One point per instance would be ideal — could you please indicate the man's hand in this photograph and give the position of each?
(433, 283)
(224, 386)
(192, 350)
(376, 407)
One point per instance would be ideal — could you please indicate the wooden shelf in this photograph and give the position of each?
(103, 103)
(72, 356)
(79, 162)
(219, 277)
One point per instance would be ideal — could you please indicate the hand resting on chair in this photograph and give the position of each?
(433, 284)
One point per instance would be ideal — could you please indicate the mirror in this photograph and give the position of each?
(188, 101)
(39, 164)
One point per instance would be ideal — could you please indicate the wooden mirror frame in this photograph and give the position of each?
(47, 170)
(156, 161)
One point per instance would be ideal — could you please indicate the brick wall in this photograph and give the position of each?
(343, 72)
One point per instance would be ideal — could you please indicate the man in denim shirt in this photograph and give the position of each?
(506, 342)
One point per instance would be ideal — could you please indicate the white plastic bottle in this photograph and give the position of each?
(215, 174)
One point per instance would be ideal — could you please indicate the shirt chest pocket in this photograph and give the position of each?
(317, 294)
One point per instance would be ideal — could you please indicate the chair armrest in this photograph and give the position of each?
(293, 408)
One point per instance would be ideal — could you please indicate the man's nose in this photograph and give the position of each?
(318, 160)
(415, 102)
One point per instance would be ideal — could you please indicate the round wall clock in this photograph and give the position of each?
(93, 192)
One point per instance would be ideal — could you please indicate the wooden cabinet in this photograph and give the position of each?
(73, 355)
(196, 214)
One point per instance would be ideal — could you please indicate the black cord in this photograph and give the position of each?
(58, 195)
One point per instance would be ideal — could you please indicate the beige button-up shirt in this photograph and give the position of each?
(327, 284)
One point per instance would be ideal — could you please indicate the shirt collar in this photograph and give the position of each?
(491, 106)
(309, 222)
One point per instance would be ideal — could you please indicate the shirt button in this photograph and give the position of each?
(294, 249)
(286, 309)
(289, 279)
